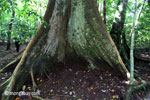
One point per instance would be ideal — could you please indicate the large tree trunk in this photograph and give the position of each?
(74, 28)
(117, 31)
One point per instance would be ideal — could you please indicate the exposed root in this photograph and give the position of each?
(7, 67)
(46, 75)
(141, 86)
(4, 84)
(33, 80)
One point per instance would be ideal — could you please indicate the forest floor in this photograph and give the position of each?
(75, 81)
(6, 57)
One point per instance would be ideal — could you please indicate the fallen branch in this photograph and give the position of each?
(141, 86)
(147, 60)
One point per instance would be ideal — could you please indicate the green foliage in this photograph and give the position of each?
(142, 35)
(142, 30)
(28, 16)
(111, 6)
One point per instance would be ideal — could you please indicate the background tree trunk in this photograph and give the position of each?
(104, 11)
(117, 31)
(10, 26)
(74, 28)
(135, 20)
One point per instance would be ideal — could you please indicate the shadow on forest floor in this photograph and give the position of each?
(78, 82)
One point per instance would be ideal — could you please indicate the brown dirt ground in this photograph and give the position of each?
(8, 56)
(75, 81)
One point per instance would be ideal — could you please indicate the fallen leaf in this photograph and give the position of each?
(115, 96)
(103, 90)
(37, 79)
(17, 98)
(109, 74)
(94, 93)
(118, 87)
(23, 87)
(113, 90)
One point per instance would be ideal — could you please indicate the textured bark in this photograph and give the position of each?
(30, 56)
(71, 30)
(93, 39)
(117, 31)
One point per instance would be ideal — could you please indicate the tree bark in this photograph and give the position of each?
(117, 32)
(104, 11)
(74, 28)
(135, 20)
(10, 26)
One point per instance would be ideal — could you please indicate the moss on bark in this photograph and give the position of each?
(79, 32)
